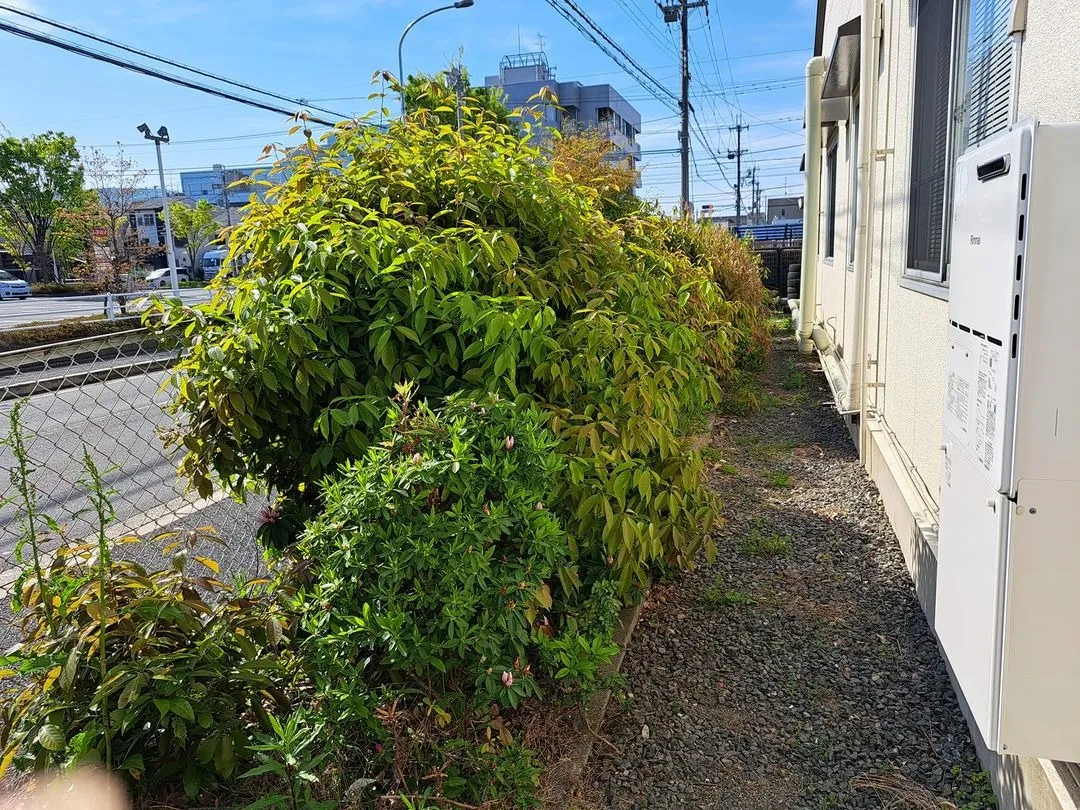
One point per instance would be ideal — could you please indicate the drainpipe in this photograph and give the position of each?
(869, 48)
(815, 76)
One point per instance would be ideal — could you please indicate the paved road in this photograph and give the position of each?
(54, 308)
(119, 422)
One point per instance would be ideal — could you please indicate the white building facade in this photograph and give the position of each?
(897, 91)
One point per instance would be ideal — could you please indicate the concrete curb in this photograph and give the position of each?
(592, 713)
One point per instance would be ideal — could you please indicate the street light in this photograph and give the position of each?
(408, 28)
(161, 137)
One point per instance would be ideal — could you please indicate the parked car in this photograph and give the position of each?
(12, 286)
(159, 278)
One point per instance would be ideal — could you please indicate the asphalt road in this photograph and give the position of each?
(54, 308)
(119, 422)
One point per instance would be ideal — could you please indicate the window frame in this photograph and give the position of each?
(936, 282)
(854, 123)
(832, 149)
(940, 276)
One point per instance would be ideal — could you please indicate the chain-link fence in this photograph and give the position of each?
(106, 393)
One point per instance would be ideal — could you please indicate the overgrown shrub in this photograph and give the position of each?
(434, 558)
(463, 262)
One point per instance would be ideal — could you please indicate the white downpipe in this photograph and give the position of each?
(869, 48)
(815, 76)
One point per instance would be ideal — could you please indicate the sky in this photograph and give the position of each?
(747, 62)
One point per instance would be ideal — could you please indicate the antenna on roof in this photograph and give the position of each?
(519, 39)
(540, 39)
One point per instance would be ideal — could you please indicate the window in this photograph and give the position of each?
(853, 193)
(830, 209)
(959, 102)
(986, 97)
(929, 139)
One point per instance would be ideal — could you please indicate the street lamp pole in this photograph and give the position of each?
(161, 137)
(408, 28)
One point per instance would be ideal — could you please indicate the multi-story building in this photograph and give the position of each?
(220, 185)
(595, 106)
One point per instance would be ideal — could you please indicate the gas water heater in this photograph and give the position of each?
(1008, 582)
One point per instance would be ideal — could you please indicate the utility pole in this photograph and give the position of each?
(224, 194)
(757, 194)
(737, 157)
(680, 12)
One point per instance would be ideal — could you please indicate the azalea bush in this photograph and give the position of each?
(436, 555)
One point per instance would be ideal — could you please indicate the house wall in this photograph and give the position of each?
(899, 427)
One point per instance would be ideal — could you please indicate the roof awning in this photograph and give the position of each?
(842, 77)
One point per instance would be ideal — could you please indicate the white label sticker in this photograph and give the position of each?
(958, 403)
(986, 406)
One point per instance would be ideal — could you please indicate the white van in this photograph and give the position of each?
(212, 261)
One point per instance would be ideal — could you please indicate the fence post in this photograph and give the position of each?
(110, 307)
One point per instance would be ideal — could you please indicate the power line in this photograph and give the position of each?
(70, 47)
(573, 14)
(154, 57)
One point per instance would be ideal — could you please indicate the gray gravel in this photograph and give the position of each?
(829, 675)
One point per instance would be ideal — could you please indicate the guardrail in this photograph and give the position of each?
(74, 363)
(33, 311)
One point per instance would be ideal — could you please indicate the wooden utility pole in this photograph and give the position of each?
(680, 12)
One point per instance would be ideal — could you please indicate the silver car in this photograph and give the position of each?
(12, 286)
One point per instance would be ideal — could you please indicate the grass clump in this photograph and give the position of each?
(778, 480)
(761, 544)
(718, 596)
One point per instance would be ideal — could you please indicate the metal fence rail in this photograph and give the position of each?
(106, 394)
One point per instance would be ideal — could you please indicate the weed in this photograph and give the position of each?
(760, 544)
(795, 379)
(778, 480)
(742, 395)
(977, 792)
(727, 468)
(718, 596)
(711, 454)
(291, 754)
(780, 324)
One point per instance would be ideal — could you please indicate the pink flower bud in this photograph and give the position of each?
(417, 458)
(508, 443)
(508, 679)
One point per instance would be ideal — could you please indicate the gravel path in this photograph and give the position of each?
(798, 667)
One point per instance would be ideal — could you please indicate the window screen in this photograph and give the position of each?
(929, 142)
(830, 212)
(987, 71)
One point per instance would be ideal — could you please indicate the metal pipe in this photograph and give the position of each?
(401, 41)
(170, 257)
(869, 44)
(815, 75)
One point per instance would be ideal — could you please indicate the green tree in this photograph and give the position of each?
(40, 176)
(437, 95)
(194, 226)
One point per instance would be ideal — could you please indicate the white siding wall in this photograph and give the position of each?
(907, 329)
(1050, 71)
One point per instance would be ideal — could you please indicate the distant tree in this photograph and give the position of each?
(438, 96)
(40, 176)
(194, 225)
(73, 238)
(590, 159)
(115, 180)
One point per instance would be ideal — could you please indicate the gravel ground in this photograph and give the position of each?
(798, 665)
